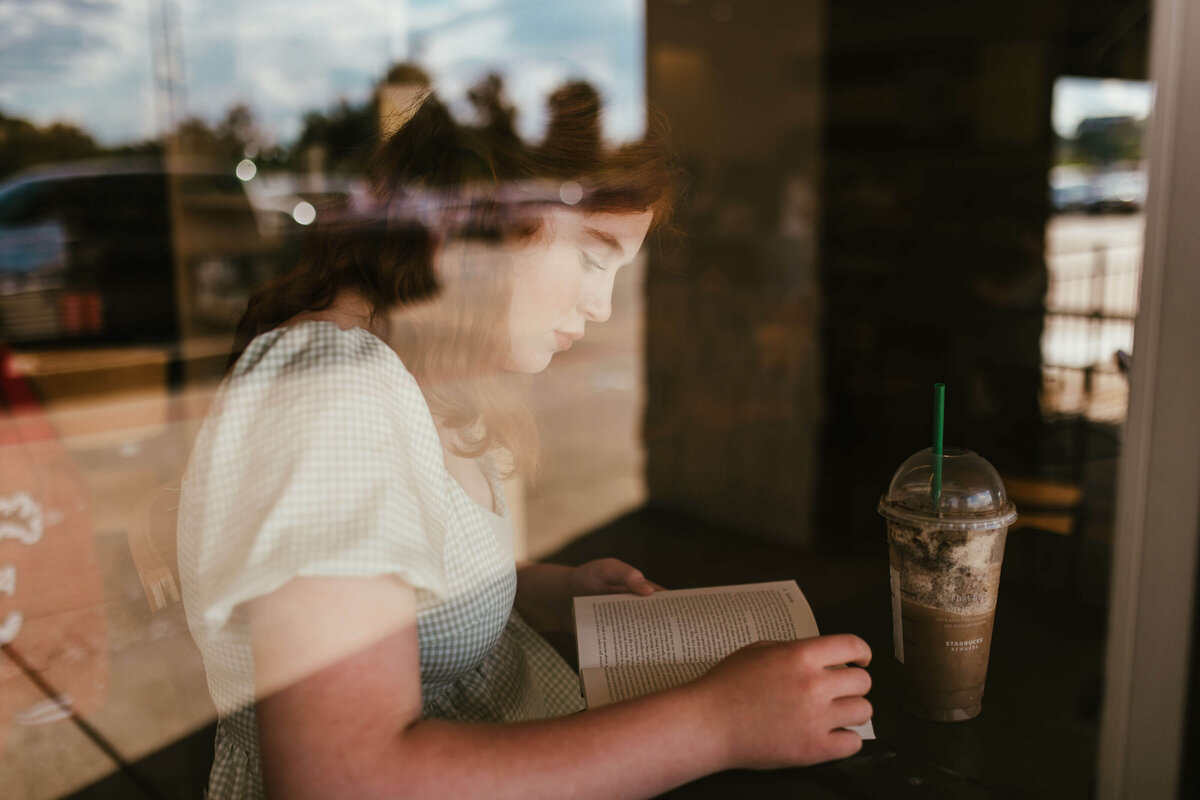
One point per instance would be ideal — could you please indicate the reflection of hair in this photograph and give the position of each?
(434, 183)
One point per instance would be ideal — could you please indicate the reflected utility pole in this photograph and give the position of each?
(170, 96)
(166, 50)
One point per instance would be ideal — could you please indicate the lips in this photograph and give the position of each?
(565, 340)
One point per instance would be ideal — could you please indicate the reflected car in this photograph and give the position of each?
(121, 282)
(1119, 190)
(1070, 189)
(126, 251)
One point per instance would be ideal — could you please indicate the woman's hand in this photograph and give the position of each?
(609, 576)
(545, 591)
(788, 703)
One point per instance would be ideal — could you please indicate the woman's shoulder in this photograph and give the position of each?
(312, 343)
(317, 360)
(314, 348)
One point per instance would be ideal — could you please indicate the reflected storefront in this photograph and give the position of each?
(869, 199)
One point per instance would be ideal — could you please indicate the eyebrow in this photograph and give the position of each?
(604, 238)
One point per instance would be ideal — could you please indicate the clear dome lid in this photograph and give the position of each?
(973, 495)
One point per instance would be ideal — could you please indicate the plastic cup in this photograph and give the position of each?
(945, 574)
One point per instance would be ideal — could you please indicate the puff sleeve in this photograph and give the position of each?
(320, 458)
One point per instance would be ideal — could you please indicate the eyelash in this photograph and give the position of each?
(587, 261)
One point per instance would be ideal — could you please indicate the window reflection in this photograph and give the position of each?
(158, 162)
(866, 210)
(1094, 245)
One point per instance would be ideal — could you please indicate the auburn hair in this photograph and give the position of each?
(437, 185)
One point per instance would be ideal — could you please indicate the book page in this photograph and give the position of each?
(631, 645)
(646, 644)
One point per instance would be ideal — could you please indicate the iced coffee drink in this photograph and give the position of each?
(945, 558)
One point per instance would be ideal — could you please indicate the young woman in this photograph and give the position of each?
(345, 548)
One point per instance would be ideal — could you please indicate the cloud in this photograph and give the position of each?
(286, 58)
(42, 42)
(90, 61)
(81, 61)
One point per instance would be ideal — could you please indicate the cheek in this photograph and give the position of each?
(545, 293)
(566, 291)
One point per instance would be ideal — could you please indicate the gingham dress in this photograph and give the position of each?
(320, 457)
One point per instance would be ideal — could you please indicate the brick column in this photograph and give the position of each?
(732, 312)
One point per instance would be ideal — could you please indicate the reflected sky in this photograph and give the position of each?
(92, 62)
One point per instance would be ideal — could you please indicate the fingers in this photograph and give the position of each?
(838, 649)
(795, 699)
(849, 682)
(639, 585)
(619, 575)
(633, 580)
(842, 744)
(611, 570)
(850, 711)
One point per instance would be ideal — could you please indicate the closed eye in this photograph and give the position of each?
(588, 262)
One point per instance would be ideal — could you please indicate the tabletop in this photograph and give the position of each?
(1036, 736)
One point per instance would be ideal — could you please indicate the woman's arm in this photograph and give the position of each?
(545, 591)
(336, 661)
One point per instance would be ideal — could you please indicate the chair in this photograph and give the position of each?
(152, 542)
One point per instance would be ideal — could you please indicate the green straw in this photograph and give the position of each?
(939, 415)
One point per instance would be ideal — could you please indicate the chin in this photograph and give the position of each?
(528, 363)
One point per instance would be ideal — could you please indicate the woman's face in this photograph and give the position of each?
(564, 280)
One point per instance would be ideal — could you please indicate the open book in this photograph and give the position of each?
(631, 645)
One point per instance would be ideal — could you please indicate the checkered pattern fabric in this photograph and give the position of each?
(320, 457)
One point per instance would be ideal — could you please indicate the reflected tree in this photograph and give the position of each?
(24, 144)
(1104, 140)
(497, 116)
(344, 136)
(229, 140)
(574, 130)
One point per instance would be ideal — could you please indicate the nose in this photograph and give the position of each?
(596, 304)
